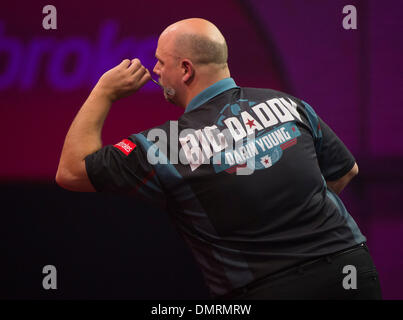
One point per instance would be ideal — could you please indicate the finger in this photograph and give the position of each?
(135, 65)
(125, 63)
(145, 78)
(148, 73)
(139, 73)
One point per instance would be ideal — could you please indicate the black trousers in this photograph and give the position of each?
(329, 277)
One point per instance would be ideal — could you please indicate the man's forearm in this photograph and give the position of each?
(84, 135)
(337, 186)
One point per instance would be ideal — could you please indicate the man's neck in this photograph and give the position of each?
(203, 83)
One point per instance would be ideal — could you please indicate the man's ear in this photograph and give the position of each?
(188, 70)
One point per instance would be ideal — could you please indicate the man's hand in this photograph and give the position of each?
(123, 80)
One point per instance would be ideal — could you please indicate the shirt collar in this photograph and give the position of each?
(211, 92)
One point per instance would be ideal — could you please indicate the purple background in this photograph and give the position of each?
(352, 78)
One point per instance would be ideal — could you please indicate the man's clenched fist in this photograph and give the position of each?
(123, 80)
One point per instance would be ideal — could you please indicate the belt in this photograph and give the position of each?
(332, 255)
(297, 268)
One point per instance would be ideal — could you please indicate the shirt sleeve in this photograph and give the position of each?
(123, 168)
(334, 158)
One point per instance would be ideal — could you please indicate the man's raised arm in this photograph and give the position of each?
(84, 135)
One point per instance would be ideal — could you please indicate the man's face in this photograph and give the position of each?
(168, 70)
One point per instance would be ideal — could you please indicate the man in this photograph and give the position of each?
(249, 176)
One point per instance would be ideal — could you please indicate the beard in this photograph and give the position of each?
(169, 94)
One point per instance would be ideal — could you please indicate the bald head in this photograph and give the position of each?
(191, 56)
(198, 40)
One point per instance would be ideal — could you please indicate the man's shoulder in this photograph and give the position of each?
(143, 136)
(266, 93)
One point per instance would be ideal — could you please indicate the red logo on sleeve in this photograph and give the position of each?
(126, 146)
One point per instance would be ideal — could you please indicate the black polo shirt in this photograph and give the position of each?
(242, 174)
